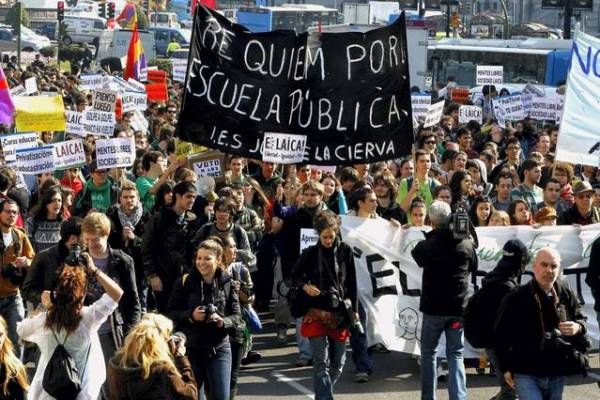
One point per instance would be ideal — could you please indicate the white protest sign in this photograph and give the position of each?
(283, 148)
(139, 121)
(116, 152)
(559, 108)
(104, 100)
(31, 85)
(75, 123)
(469, 113)
(389, 281)
(531, 89)
(434, 114)
(49, 94)
(544, 108)
(527, 100)
(90, 82)
(308, 237)
(134, 101)
(13, 142)
(210, 168)
(136, 85)
(99, 122)
(179, 69)
(512, 106)
(325, 168)
(18, 90)
(35, 161)
(420, 105)
(68, 154)
(489, 75)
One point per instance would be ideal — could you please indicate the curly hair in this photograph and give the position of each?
(67, 299)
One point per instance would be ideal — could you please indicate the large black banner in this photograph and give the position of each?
(333, 98)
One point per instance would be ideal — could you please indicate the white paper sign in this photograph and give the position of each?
(104, 100)
(210, 168)
(489, 75)
(31, 85)
(136, 85)
(283, 148)
(308, 237)
(90, 82)
(434, 114)
(35, 161)
(68, 154)
(544, 108)
(18, 90)
(527, 100)
(530, 89)
(469, 113)
(13, 142)
(134, 101)
(99, 122)
(179, 69)
(512, 106)
(115, 152)
(420, 105)
(139, 121)
(75, 123)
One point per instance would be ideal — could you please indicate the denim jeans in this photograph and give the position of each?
(328, 361)
(531, 387)
(213, 369)
(304, 347)
(107, 343)
(13, 311)
(506, 392)
(433, 327)
(358, 342)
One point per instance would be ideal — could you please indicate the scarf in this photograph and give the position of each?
(130, 220)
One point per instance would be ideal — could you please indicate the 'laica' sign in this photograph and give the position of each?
(346, 95)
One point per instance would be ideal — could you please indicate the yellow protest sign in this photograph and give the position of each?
(183, 149)
(39, 113)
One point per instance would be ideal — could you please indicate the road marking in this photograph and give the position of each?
(292, 382)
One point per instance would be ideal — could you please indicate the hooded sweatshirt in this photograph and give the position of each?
(127, 383)
(100, 196)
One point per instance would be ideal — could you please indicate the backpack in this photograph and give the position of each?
(477, 330)
(61, 377)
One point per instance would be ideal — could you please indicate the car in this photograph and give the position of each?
(48, 30)
(164, 35)
(8, 41)
(42, 40)
(83, 29)
(115, 43)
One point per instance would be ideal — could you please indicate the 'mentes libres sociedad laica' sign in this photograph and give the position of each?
(346, 95)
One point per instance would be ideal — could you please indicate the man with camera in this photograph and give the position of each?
(540, 332)
(447, 260)
(17, 253)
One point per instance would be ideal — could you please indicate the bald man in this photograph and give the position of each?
(536, 323)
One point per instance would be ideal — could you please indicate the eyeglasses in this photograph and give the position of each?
(584, 196)
(430, 142)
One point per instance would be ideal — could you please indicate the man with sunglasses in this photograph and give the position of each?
(99, 192)
(582, 212)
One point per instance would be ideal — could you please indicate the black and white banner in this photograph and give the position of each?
(347, 93)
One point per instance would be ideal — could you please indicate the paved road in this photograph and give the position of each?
(396, 377)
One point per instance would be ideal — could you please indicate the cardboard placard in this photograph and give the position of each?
(208, 162)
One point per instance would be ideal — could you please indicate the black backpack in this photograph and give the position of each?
(478, 331)
(61, 377)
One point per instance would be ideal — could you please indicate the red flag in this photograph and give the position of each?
(136, 60)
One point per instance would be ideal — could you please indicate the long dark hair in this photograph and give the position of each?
(40, 212)
(67, 300)
(163, 189)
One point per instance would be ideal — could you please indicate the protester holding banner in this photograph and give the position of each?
(331, 291)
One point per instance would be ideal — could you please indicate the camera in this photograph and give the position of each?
(75, 257)
(333, 298)
(460, 223)
(209, 310)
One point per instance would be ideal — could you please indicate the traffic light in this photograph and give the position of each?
(409, 4)
(433, 5)
(455, 22)
(111, 10)
(587, 5)
(102, 10)
(60, 11)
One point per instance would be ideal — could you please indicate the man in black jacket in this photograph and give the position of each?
(536, 325)
(166, 248)
(447, 263)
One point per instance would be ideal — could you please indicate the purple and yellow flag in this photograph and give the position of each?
(7, 108)
(136, 60)
(128, 17)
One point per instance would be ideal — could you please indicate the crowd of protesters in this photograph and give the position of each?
(166, 252)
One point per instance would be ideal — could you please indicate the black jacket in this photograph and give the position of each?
(592, 277)
(519, 335)
(307, 270)
(43, 272)
(186, 296)
(393, 211)
(166, 248)
(446, 263)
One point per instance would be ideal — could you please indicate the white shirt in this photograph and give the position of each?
(94, 373)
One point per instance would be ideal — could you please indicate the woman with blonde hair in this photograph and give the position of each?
(152, 364)
(13, 376)
(68, 323)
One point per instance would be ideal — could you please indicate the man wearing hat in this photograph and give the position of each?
(582, 212)
(98, 193)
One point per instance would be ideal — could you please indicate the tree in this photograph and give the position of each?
(12, 18)
(142, 18)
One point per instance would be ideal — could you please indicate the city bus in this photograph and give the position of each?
(533, 60)
(298, 17)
